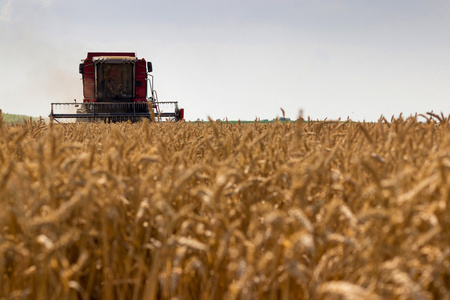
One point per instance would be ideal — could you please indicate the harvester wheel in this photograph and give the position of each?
(177, 115)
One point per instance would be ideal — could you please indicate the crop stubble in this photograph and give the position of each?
(305, 210)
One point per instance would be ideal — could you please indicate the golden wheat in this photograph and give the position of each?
(305, 210)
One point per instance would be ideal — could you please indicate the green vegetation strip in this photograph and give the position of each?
(16, 119)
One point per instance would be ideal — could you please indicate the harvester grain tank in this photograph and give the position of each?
(117, 86)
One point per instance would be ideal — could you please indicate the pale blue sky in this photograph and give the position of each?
(238, 59)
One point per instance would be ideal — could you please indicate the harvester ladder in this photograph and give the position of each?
(155, 105)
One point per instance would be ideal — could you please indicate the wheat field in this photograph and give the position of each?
(304, 210)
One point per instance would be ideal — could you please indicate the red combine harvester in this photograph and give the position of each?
(117, 86)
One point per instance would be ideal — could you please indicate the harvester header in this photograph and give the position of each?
(117, 86)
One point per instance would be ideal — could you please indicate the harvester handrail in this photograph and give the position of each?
(167, 102)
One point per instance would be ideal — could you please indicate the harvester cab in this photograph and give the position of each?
(116, 87)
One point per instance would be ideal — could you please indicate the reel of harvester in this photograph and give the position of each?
(115, 111)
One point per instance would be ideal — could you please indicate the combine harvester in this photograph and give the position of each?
(117, 86)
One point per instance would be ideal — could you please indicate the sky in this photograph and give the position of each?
(238, 59)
